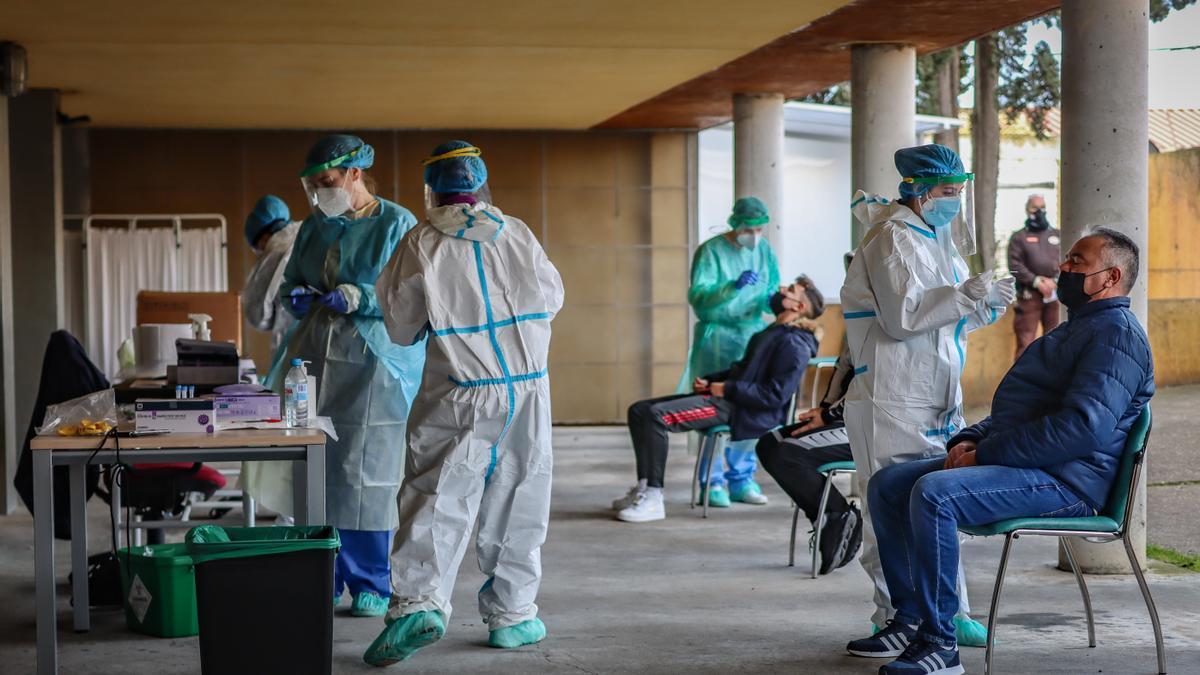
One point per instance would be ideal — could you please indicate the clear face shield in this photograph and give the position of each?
(748, 237)
(330, 192)
(436, 199)
(950, 201)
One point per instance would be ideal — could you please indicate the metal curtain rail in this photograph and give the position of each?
(132, 220)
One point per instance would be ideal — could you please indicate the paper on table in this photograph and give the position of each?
(229, 426)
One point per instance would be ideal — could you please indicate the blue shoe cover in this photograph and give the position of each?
(718, 497)
(369, 603)
(404, 636)
(525, 633)
(969, 632)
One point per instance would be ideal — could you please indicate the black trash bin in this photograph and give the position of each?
(264, 598)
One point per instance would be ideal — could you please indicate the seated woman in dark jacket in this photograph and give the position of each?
(752, 397)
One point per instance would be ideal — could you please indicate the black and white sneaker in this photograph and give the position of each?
(841, 538)
(925, 658)
(886, 644)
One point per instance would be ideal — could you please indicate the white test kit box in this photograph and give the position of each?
(189, 415)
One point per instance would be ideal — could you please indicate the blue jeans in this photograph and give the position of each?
(917, 509)
(741, 461)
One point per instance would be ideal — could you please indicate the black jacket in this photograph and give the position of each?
(762, 384)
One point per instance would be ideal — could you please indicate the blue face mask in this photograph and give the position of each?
(941, 210)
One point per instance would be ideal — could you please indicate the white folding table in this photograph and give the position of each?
(305, 447)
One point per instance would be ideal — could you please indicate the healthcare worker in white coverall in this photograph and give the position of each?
(478, 283)
(270, 231)
(909, 303)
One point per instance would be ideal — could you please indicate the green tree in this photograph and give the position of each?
(1009, 78)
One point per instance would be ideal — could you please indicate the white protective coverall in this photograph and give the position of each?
(260, 295)
(270, 482)
(479, 442)
(906, 326)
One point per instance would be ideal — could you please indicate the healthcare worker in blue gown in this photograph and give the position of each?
(734, 276)
(365, 383)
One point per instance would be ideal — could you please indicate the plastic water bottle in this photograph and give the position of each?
(295, 395)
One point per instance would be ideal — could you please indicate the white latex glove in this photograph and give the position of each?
(976, 288)
(1002, 292)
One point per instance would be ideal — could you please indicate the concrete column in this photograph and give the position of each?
(37, 233)
(1105, 146)
(8, 416)
(882, 118)
(758, 155)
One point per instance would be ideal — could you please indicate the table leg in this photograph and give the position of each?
(300, 491)
(43, 562)
(114, 493)
(79, 564)
(314, 485)
(249, 516)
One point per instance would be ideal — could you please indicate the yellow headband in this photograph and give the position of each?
(469, 151)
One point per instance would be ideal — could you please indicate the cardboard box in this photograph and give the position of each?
(247, 408)
(187, 415)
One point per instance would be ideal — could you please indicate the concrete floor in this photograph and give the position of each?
(708, 596)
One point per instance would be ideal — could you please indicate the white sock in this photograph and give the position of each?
(654, 492)
(642, 484)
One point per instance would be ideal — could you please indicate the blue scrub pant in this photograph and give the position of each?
(917, 508)
(362, 564)
(740, 465)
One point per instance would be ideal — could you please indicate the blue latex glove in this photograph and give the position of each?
(301, 300)
(335, 300)
(747, 278)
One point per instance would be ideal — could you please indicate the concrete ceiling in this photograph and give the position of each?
(809, 60)
(512, 64)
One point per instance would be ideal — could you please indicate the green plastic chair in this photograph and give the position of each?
(716, 437)
(829, 471)
(1112, 524)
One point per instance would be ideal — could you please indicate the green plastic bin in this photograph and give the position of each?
(158, 584)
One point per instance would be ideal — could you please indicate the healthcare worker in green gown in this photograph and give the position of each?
(365, 383)
(734, 275)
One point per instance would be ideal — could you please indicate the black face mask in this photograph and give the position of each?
(776, 303)
(1037, 220)
(1070, 288)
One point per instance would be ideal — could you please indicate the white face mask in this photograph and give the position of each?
(333, 201)
(748, 239)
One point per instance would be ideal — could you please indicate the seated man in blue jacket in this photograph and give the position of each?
(752, 397)
(1050, 448)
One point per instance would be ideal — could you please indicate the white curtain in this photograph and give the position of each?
(124, 262)
(202, 261)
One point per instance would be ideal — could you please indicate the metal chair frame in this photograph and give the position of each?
(1064, 537)
(712, 441)
(816, 549)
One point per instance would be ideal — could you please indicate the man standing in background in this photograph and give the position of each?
(1033, 258)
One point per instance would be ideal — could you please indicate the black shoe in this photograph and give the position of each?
(840, 539)
(924, 658)
(887, 643)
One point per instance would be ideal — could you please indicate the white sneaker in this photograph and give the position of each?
(628, 500)
(644, 509)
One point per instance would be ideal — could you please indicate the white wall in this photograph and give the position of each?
(1026, 165)
(816, 200)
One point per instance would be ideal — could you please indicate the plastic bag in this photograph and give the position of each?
(92, 415)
